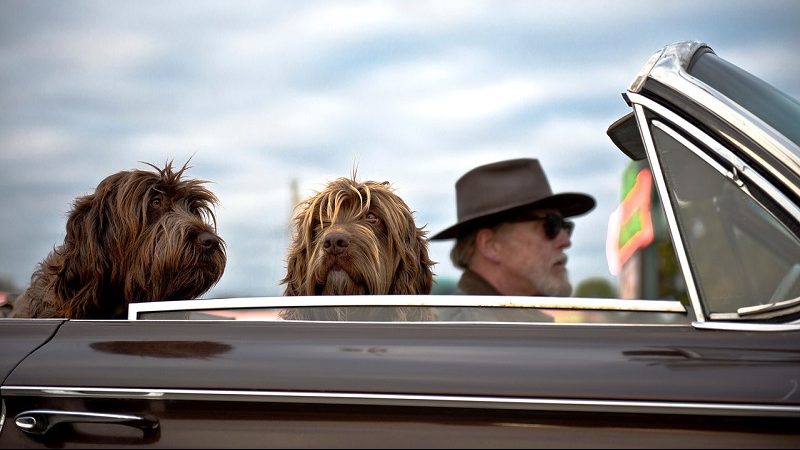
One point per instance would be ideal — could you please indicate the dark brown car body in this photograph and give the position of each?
(271, 384)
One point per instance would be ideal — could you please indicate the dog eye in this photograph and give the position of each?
(372, 218)
(155, 202)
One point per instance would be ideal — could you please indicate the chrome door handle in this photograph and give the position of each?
(40, 421)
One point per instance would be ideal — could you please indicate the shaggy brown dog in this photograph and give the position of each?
(142, 236)
(357, 238)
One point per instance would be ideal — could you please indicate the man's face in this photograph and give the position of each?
(536, 263)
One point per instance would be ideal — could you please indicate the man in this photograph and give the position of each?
(511, 236)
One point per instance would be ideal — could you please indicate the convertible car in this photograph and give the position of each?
(712, 362)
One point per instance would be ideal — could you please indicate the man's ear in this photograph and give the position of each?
(486, 244)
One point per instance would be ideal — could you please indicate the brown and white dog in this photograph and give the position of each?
(355, 238)
(142, 236)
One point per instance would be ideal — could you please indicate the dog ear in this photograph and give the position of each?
(81, 267)
(298, 258)
(296, 265)
(414, 274)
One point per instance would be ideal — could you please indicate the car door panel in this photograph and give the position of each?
(245, 384)
(501, 360)
(200, 424)
(20, 337)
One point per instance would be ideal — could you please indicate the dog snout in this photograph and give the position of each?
(336, 243)
(208, 240)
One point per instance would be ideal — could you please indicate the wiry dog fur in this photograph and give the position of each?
(355, 238)
(142, 236)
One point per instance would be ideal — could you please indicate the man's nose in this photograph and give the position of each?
(563, 239)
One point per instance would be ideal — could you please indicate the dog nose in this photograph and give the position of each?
(336, 243)
(207, 240)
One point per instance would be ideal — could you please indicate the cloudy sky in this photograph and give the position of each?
(262, 93)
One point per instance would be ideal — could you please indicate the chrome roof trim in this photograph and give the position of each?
(448, 401)
(676, 56)
(638, 82)
(411, 300)
(670, 70)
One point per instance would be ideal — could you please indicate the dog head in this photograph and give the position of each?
(141, 236)
(357, 238)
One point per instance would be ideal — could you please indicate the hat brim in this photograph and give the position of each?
(569, 204)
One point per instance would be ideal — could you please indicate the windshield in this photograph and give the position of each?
(741, 254)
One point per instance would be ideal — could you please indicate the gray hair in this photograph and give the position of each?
(462, 251)
(464, 248)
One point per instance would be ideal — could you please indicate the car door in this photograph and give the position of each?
(20, 338)
(305, 384)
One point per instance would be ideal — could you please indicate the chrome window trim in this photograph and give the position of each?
(447, 401)
(411, 300)
(744, 326)
(670, 70)
(743, 169)
(669, 210)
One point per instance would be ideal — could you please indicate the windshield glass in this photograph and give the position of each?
(740, 253)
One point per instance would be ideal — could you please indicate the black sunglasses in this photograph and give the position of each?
(553, 224)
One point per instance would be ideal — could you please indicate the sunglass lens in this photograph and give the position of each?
(569, 226)
(553, 225)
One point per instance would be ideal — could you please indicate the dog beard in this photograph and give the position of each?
(184, 260)
(357, 271)
(338, 282)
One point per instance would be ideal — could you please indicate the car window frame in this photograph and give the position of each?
(657, 312)
(709, 149)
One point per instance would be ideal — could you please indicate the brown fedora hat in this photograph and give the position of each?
(499, 191)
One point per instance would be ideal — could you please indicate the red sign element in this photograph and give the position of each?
(636, 223)
(630, 226)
